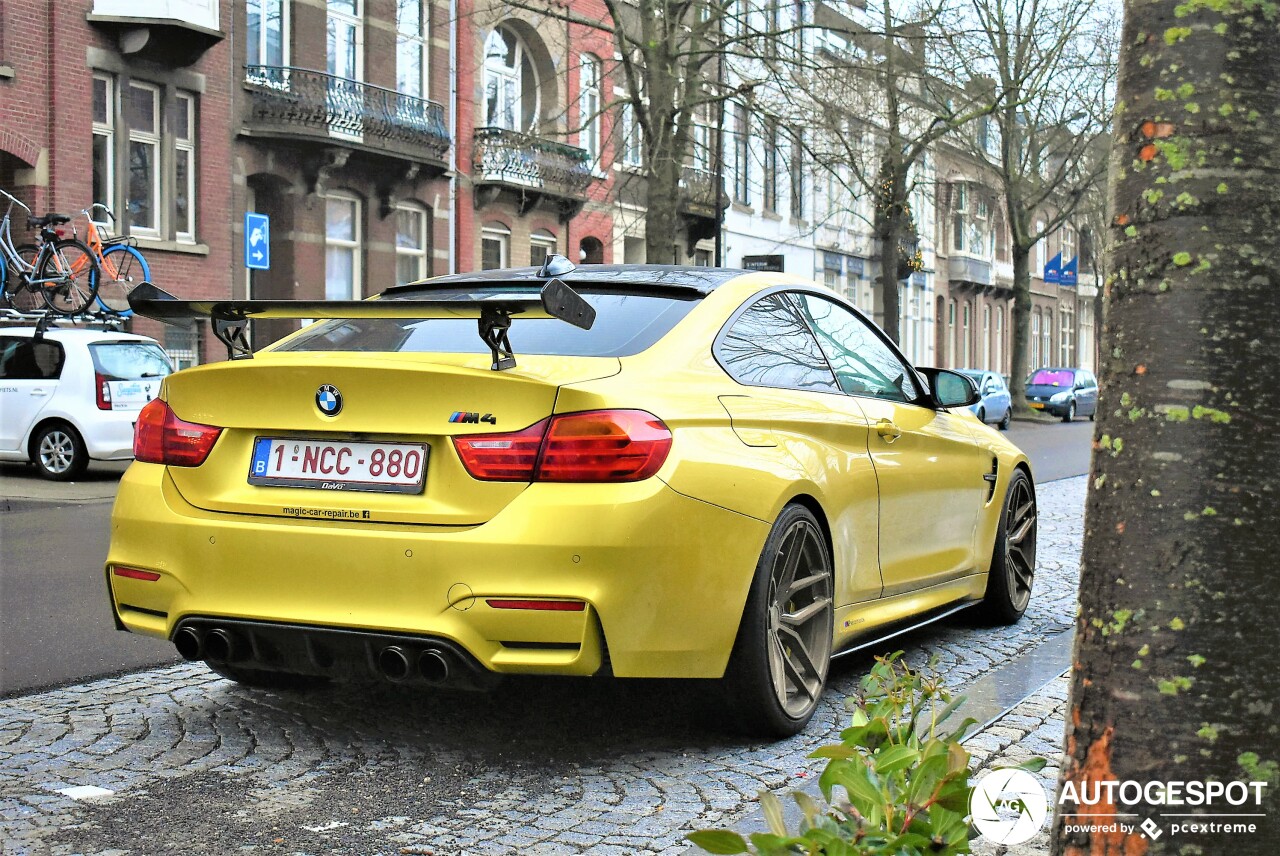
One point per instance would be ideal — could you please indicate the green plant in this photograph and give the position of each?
(906, 781)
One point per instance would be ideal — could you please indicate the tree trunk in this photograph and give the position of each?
(889, 234)
(662, 217)
(1177, 667)
(1020, 327)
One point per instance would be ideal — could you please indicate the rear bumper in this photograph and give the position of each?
(110, 437)
(663, 577)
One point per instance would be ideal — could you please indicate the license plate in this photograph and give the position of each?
(324, 465)
(1036, 405)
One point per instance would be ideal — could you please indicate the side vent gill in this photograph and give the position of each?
(991, 478)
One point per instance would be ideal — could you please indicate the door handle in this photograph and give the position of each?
(39, 392)
(888, 431)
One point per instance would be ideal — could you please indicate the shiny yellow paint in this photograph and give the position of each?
(663, 565)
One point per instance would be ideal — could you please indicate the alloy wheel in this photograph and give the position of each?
(800, 617)
(1020, 543)
(57, 452)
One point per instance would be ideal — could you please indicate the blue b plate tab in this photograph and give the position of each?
(261, 456)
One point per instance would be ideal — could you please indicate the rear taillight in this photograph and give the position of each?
(160, 437)
(595, 446)
(104, 390)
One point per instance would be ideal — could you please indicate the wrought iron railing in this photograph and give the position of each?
(703, 193)
(523, 160)
(372, 115)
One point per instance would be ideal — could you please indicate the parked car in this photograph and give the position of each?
(1063, 392)
(995, 405)
(639, 471)
(72, 395)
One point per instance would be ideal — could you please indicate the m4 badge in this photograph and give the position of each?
(475, 418)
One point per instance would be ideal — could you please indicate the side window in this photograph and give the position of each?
(771, 345)
(23, 359)
(863, 363)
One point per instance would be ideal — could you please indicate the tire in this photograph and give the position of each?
(1013, 558)
(266, 679)
(17, 295)
(1071, 412)
(1008, 416)
(76, 269)
(58, 452)
(982, 415)
(130, 268)
(781, 631)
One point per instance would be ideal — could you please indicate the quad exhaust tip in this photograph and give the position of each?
(220, 646)
(433, 665)
(393, 662)
(189, 644)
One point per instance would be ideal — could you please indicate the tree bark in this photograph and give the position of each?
(1177, 672)
(1020, 326)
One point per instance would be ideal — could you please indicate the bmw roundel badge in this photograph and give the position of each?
(329, 400)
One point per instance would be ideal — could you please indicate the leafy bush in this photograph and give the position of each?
(906, 782)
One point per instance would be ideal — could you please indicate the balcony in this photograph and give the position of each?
(297, 103)
(972, 273)
(702, 193)
(532, 169)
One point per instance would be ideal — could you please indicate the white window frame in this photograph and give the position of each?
(544, 239)
(353, 244)
(1068, 244)
(107, 130)
(262, 36)
(418, 254)
(999, 363)
(1036, 362)
(419, 36)
(502, 235)
(986, 337)
(1046, 330)
(1067, 342)
(356, 22)
(1042, 252)
(153, 139)
(187, 145)
(513, 75)
(590, 100)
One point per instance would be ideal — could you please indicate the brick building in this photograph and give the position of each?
(125, 102)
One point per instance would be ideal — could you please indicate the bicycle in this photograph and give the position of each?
(64, 272)
(120, 274)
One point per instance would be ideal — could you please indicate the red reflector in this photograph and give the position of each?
(135, 574)
(104, 391)
(160, 437)
(548, 605)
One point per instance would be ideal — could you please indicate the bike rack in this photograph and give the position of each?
(45, 318)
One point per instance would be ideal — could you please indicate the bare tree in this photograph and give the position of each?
(1177, 674)
(876, 104)
(1052, 64)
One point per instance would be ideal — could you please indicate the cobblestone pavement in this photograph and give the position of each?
(196, 763)
(1033, 728)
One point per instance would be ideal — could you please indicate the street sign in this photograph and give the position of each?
(769, 263)
(257, 241)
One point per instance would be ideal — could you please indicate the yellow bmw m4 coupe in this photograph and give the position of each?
(638, 471)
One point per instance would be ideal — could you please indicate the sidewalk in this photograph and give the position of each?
(21, 488)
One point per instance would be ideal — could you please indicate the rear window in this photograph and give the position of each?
(129, 360)
(625, 325)
(1051, 377)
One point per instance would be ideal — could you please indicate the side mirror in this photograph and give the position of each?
(950, 389)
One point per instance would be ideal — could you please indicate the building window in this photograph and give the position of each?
(970, 222)
(1068, 244)
(541, 244)
(152, 131)
(999, 363)
(412, 244)
(769, 169)
(412, 30)
(1067, 341)
(591, 251)
(797, 173)
(142, 191)
(345, 43)
(510, 83)
(702, 153)
(184, 173)
(966, 356)
(589, 98)
(632, 134)
(1035, 339)
(341, 247)
(495, 247)
(1041, 256)
(268, 24)
(1046, 330)
(702, 258)
(986, 338)
(104, 132)
(951, 333)
(741, 154)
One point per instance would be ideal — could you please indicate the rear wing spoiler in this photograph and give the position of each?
(493, 312)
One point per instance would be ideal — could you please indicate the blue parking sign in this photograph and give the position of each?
(257, 241)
